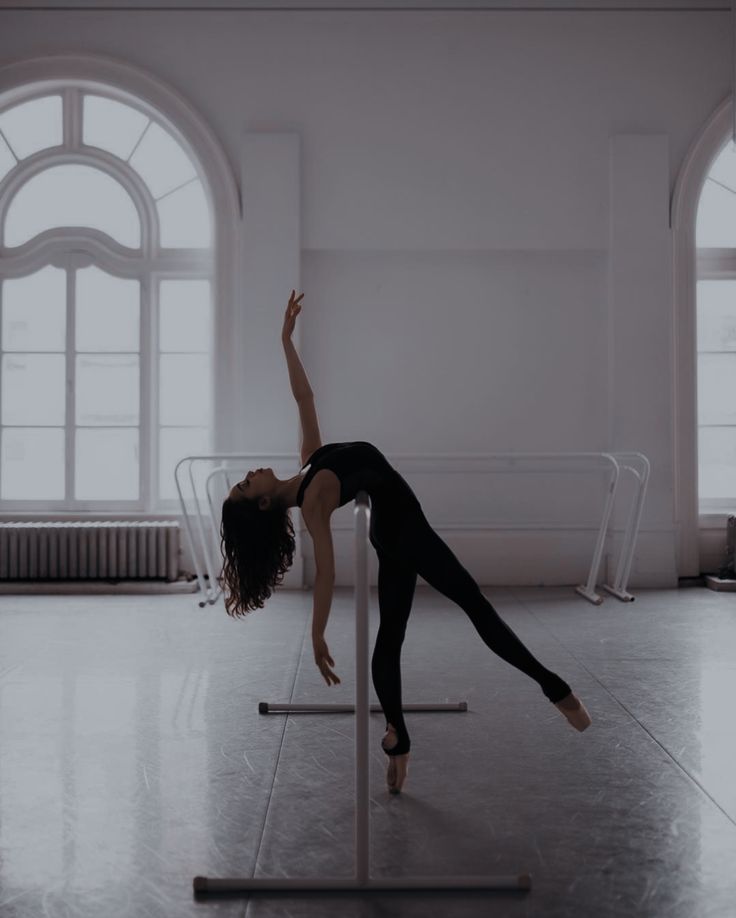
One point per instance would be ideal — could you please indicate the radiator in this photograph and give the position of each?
(89, 551)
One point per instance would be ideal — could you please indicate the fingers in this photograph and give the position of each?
(327, 674)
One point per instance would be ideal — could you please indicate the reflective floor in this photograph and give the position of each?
(133, 758)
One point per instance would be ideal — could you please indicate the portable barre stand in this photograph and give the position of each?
(203, 543)
(361, 881)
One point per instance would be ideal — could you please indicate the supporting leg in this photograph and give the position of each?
(362, 881)
(396, 585)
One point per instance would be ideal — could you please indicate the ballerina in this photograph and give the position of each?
(258, 548)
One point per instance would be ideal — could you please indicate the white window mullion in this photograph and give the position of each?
(716, 265)
(71, 119)
(71, 366)
(147, 449)
(2, 292)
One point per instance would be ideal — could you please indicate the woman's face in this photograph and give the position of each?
(255, 484)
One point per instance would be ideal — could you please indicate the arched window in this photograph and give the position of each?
(715, 240)
(107, 274)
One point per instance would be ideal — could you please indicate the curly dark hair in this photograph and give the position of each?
(257, 549)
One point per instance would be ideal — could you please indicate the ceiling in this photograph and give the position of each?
(586, 6)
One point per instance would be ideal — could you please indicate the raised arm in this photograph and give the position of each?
(302, 391)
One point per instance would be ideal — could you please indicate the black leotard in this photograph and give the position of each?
(360, 466)
(407, 546)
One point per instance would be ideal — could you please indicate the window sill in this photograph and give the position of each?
(713, 519)
(85, 516)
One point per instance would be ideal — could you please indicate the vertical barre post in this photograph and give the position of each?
(362, 798)
(188, 529)
(588, 591)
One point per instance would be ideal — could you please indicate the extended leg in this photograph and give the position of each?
(437, 564)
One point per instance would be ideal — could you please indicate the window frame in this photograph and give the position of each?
(713, 264)
(72, 248)
(690, 265)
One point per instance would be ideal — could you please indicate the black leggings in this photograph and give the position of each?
(406, 546)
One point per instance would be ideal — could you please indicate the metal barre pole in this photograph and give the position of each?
(620, 582)
(190, 534)
(587, 590)
(362, 712)
(362, 880)
(268, 707)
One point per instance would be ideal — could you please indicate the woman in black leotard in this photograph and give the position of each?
(258, 548)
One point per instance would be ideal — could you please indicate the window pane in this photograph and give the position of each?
(184, 390)
(34, 311)
(112, 126)
(33, 126)
(185, 219)
(7, 160)
(716, 315)
(716, 387)
(34, 390)
(716, 220)
(107, 390)
(32, 464)
(185, 315)
(723, 168)
(108, 312)
(161, 162)
(717, 462)
(174, 444)
(106, 464)
(72, 196)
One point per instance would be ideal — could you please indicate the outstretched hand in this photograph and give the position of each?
(324, 661)
(292, 311)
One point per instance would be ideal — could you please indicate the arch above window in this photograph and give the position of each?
(72, 195)
(125, 136)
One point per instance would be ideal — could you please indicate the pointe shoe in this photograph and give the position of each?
(398, 769)
(398, 765)
(575, 712)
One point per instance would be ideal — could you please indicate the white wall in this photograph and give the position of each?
(460, 257)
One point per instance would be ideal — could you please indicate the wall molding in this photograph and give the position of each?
(385, 6)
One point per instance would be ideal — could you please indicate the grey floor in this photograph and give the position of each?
(133, 758)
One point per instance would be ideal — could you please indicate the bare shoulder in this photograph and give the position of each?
(322, 497)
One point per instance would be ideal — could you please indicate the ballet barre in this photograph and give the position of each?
(202, 526)
(362, 880)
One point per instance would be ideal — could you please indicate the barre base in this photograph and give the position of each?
(205, 885)
(267, 707)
